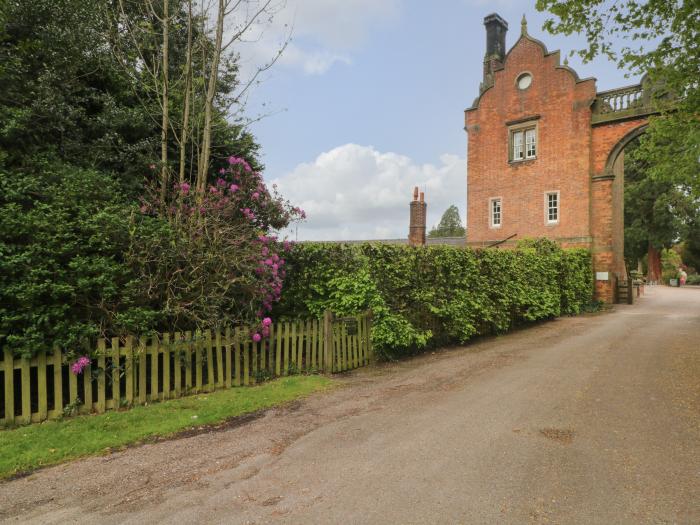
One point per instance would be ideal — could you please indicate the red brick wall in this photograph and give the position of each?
(605, 138)
(607, 199)
(563, 156)
(571, 158)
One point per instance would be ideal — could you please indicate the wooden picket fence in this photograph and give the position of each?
(134, 371)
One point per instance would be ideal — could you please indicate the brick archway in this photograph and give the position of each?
(609, 141)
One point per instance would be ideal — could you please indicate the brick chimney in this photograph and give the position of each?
(496, 29)
(416, 229)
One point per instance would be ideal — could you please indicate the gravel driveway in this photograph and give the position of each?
(593, 419)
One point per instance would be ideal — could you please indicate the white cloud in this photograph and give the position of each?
(357, 192)
(324, 32)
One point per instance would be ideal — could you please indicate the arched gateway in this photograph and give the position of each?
(546, 153)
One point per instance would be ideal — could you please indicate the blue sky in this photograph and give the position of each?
(368, 101)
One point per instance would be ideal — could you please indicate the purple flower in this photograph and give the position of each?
(267, 321)
(265, 250)
(78, 367)
(256, 337)
(184, 188)
(222, 171)
(233, 188)
(266, 331)
(212, 189)
(255, 196)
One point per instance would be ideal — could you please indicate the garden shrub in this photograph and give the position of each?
(63, 234)
(425, 297)
(79, 260)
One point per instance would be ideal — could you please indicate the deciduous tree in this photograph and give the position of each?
(450, 224)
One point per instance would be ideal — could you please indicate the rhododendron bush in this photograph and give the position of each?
(214, 261)
(78, 261)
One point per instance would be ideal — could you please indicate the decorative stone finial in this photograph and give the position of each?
(523, 25)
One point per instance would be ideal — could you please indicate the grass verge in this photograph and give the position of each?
(30, 447)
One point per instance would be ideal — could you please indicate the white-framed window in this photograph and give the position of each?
(518, 153)
(530, 144)
(551, 207)
(523, 143)
(495, 212)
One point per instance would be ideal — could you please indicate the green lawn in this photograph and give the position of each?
(30, 447)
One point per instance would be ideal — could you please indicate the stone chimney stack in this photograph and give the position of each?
(416, 229)
(496, 29)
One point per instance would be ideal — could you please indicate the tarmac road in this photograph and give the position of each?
(592, 419)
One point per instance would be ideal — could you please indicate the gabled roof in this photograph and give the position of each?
(524, 35)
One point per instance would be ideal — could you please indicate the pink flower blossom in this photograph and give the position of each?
(255, 196)
(256, 337)
(267, 321)
(265, 250)
(265, 331)
(212, 189)
(233, 188)
(222, 171)
(184, 188)
(220, 182)
(78, 367)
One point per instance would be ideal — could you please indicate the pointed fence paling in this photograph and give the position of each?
(129, 371)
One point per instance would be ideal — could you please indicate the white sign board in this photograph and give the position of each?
(602, 276)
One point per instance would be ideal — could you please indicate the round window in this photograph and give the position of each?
(524, 81)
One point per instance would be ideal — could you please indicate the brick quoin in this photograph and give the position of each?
(579, 159)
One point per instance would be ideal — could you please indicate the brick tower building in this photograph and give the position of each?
(546, 153)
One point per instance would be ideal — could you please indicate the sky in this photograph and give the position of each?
(367, 101)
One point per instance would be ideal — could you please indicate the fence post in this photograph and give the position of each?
(327, 341)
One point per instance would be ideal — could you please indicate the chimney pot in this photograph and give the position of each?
(417, 220)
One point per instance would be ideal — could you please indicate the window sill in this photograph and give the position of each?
(552, 223)
(521, 161)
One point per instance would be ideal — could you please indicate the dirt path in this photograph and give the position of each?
(581, 420)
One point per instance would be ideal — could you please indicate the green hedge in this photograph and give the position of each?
(424, 297)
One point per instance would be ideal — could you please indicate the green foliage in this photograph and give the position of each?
(63, 233)
(450, 225)
(693, 279)
(423, 297)
(670, 263)
(79, 139)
